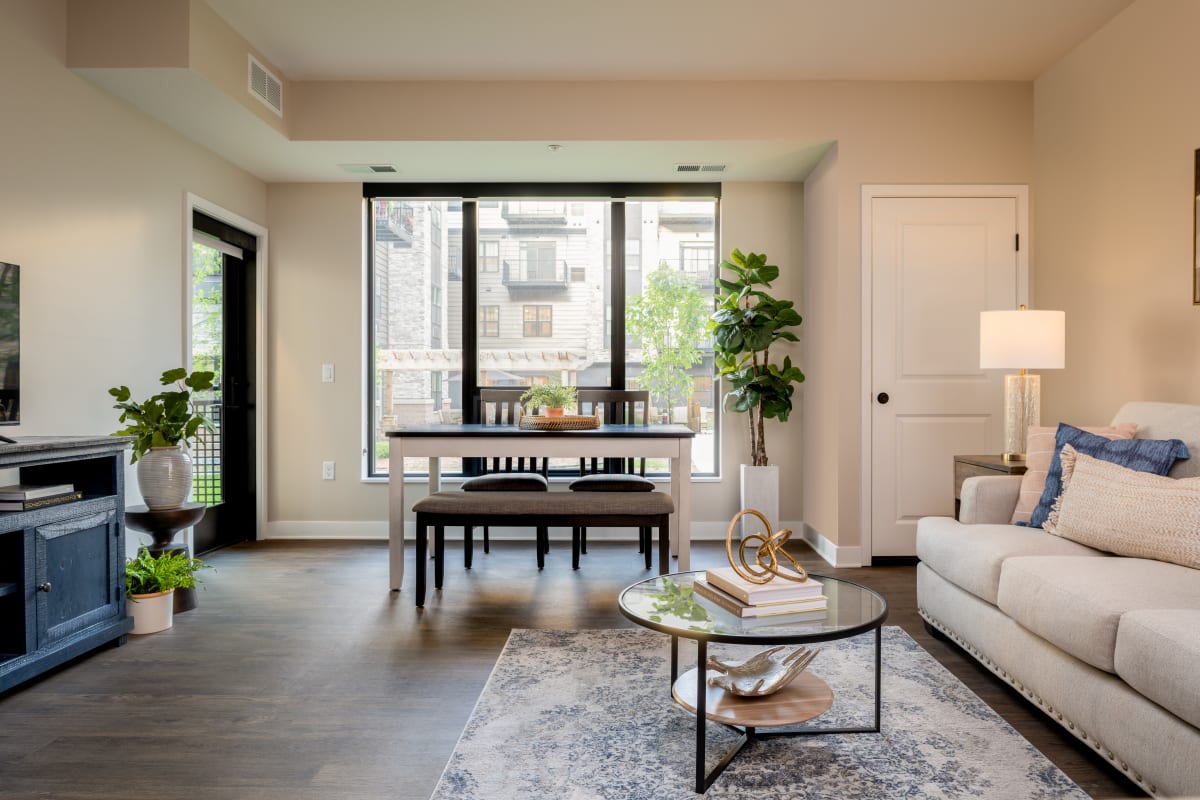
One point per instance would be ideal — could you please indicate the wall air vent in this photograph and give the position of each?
(265, 86)
(712, 167)
(687, 167)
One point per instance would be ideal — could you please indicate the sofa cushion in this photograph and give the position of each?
(1167, 421)
(1039, 450)
(1126, 512)
(1077, 603)
(1145, 455)
(1158, 653)
(970, 556)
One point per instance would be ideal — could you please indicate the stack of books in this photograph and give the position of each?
(729, 591)
(23, 497)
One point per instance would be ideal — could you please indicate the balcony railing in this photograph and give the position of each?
(394, 226)
(535, 276)
(532, 212)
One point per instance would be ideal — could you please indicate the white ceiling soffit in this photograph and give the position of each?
(918, 40)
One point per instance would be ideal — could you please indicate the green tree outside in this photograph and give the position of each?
(670, 319)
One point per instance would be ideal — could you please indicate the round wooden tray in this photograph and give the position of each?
(567, 422)
(806, 697)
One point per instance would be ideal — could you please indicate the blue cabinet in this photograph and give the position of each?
(62, 568)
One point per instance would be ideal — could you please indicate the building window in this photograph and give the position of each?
(539, 320)
(489, 256)
(697, 258)
(489, 321)
(578, 274)
(537, 261)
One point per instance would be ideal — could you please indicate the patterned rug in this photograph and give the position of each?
(583, 715)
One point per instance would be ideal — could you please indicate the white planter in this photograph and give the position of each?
(151, 612)
(164, 477)
(760, 491)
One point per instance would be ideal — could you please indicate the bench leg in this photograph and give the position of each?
(644, 546)
(583, 540)
(575, 540)
(487, 542)
(419, 592)
(542, 546)
(439, 555)
(468, 546)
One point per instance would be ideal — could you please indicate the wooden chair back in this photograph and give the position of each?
(616, 407)
(502, 407)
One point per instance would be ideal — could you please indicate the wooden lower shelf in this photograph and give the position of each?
(805, 698)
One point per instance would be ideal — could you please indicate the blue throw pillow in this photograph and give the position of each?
(1156, 456)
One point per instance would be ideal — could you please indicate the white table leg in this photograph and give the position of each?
(396, 512)
(683, 502)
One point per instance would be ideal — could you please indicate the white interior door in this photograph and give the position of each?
(934, 264)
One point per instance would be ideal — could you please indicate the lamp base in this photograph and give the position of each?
(1022, 408)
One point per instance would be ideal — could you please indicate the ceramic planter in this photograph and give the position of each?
(151, 612)
(164, 477)
(760, 491)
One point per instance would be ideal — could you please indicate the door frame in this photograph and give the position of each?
(196, 203)
(870, 192)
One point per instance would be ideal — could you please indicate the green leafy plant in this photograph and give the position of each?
(167, 418)
(747, 322)
(145, 574)
(548, 395)
(678, 603)
(668, 318)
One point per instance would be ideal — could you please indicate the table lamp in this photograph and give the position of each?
(1021, 340)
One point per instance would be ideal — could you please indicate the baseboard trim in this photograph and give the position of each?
(836, 556)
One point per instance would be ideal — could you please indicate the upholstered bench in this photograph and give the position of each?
(541, 509)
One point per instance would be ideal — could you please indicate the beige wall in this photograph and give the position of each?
(92, 198)
(1117, 124)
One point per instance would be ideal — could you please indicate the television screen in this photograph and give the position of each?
(10, 344)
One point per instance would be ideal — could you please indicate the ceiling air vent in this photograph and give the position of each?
(370, 169)
(699, 167)
(265, 86)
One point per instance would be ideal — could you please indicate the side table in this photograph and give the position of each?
(971, 466)
(162, 525)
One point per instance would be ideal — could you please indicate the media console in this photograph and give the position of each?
(62, 567)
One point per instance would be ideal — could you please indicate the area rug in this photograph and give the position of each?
(577, 715)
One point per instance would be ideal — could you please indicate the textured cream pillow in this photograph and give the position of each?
(1130, 513)
(1039, 450)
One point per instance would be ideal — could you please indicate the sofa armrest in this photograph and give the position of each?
(990, 498)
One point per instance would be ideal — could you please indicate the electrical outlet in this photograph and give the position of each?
(327, 373)
(327, 470)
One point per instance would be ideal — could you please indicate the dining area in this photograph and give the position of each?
(612, 496)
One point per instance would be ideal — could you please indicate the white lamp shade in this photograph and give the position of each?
(1022, 339)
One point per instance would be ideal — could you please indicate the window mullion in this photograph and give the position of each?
(616, 235)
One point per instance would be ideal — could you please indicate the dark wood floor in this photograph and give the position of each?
(301, 677)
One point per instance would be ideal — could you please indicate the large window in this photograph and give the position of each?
(543, 285)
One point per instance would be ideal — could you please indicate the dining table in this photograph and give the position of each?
(437, 441)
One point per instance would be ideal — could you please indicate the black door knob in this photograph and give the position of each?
(44, 587)
(882, 397)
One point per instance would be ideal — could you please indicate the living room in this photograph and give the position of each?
(1103, 134)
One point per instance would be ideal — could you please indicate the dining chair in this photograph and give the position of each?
(506, 474)
(615, 407)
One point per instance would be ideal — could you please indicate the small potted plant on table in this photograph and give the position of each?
(554, 397)
(150, 585)
(162, 426)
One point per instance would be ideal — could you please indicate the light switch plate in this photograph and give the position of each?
(327, 373)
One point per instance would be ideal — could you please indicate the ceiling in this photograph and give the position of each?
(573, 40)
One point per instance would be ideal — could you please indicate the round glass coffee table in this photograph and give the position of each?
(666, 604)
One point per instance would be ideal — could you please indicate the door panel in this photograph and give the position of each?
(77, 564)
(936, 262)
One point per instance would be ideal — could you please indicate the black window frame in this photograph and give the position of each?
(474, 194)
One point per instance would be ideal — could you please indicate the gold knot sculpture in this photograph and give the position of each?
(769, 550)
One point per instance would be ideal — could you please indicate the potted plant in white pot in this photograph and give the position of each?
(553, 396)
(150, 585)
(162, 426)
(747, 322)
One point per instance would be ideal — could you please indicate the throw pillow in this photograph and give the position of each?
(1144, 455)
(1039, 449)
(1127, 512)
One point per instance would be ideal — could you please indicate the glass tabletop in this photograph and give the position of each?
(666, 603)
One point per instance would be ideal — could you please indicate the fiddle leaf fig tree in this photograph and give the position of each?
(747, 323)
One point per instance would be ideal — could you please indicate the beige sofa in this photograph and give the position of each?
(1109, 647)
